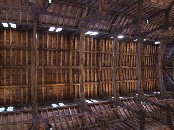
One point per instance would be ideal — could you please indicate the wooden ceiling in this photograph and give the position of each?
(168, 67)
(100, 15)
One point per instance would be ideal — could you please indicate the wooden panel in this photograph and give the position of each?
(15, 66)
(106, 72)
(53, 67)
(15, 121)
(90, 67)
(51, 93)
(128, 68)
(149, 67)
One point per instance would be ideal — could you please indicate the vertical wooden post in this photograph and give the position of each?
(139, 50)
(120, 52)
(70, 66)
(81, 71)
(99, 69)
(139, 59)
(34, 87)
(160, 82)
(114, 85)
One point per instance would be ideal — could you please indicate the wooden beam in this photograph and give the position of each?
(120, 65)
(34, 57)
(114, 85)
(99, 69)
(133, 22)
(139, 50)
(82, 102)
(160, 82)
(70, 66)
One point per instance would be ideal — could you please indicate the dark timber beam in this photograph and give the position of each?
(34, 86)
(82, 29)
(100, 92)
(81, 71)
(139, 60)
(36, 8)
(115, 88)
(139, 52)
(71, 38)
(82, 102)
(120, 65)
